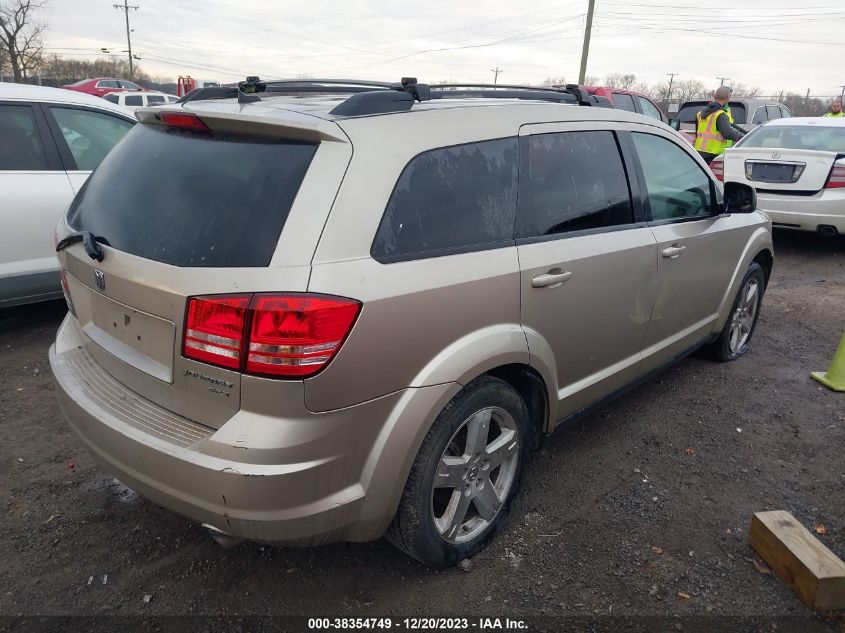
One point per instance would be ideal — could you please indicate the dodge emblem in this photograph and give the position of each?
(100, 280)
(776, 155)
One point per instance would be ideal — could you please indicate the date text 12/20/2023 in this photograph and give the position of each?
(418, 624)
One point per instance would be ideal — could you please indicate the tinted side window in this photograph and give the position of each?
(576, 181)
(20, 143)
(155, 99)
(89, 135)
(128, 85)
(450, 198)
(623, 102)
(112, 97)
(134, 100)
(759, 116)
(774, 112)
(677, 187)
(649, 109)
(785, 113)
(108, 84)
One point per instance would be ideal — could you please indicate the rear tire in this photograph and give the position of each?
(735, 339)
(465, 476)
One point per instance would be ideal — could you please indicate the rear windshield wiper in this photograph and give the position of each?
(90, 242)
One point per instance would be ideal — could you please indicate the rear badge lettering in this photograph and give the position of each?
(99, 280)
(210, 379)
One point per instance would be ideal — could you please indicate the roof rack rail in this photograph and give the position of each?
(571, 94)
(396, 97)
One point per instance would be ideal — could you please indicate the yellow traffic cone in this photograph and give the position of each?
(834, 377)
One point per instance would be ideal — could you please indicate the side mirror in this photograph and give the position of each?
(740, 198)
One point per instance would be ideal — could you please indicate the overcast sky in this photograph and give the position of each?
(774, 44)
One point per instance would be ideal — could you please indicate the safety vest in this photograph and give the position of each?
(707, 137)
(832, 114)
(729, 143)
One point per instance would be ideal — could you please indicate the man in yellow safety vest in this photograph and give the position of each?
(714, 127)
(835, 109)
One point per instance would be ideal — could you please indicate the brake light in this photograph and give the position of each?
(182, 121)
(836, 178)
(214, 330)
(717, 166)
(276, 335)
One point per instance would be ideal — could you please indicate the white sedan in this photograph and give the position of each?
(798, 169)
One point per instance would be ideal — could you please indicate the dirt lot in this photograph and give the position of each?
(627, 512)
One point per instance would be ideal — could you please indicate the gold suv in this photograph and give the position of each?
(309, 313)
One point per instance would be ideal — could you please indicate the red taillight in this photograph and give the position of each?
(291, 335)
(214, 330)
(717, 166)
(836, 178)
(184, 121)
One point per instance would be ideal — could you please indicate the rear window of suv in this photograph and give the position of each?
(690, 110)
(193, 200)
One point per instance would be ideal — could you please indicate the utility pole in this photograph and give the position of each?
(125, 8)
(496, 72)
(722, 80)
(585, 51)
(841, 94)
(669, 92)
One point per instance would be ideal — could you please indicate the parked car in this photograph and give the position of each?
(747, 114)
(50, 141)
(285, 331)
(798, 168)
(101, 86)
(133, 101)
(629, 100)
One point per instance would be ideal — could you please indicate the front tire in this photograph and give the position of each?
(735, 339)
(465, 476)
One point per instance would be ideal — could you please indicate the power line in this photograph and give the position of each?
(125, 8)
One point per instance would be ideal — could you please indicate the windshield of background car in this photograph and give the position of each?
(691, 109)
(821, 138)
(193, 199)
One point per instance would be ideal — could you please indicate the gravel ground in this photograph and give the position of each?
(640, 509)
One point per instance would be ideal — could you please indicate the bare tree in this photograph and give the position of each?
(20, 35)
(554, 81)
(689, 89)
(69, 70)
(623, 81)
(749, 92)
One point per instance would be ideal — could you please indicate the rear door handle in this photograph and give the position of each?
(551, 279)
(673, 252)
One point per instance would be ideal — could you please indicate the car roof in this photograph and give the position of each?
(321, 106)
(25, 92)
(809, 121)
(741, 100)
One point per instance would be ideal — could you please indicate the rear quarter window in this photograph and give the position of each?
(449, 200)
(191, 199)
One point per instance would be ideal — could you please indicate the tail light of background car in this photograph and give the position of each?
(276, 335)
(836, 178)
(717, 166)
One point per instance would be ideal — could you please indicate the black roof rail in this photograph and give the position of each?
(396, 97)
(570, 94)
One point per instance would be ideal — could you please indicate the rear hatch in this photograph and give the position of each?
(792, 159)
(211, 202)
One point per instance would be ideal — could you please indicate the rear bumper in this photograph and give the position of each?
(349, 492)
(805, 213)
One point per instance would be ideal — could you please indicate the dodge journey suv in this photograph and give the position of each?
(309, 313)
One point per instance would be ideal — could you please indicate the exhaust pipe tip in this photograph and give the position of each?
(827, 231)
(226, 541)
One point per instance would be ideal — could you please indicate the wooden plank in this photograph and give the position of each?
(810, 569)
